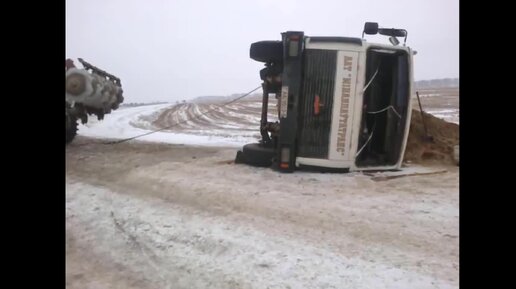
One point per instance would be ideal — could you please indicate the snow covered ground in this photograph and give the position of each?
(441, 102)
(148, 215)
(449, 115)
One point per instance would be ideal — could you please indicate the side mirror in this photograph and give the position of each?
(370, 28)
(394, 41)
(393, 32)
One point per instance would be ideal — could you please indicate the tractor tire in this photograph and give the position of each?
(71, 128)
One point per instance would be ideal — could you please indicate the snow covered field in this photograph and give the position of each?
(441, 102)
(130, 122)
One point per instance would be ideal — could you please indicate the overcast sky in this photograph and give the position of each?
(168, 50)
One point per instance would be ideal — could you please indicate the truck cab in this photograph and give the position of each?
(343, 103)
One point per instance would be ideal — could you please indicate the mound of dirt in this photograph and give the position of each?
(441, 149)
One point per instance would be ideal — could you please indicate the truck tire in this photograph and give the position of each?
(267, 51)
(257, 155)
(71, 128)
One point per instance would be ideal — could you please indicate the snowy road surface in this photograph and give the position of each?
(149, 215)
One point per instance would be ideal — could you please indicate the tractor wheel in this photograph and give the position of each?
(71, 128)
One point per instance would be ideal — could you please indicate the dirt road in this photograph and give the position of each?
(149, 215)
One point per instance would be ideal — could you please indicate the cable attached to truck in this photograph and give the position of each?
(185, 120)
(369, 139)
(381, 110)
(371, 80)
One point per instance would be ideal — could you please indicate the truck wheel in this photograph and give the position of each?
(256, 155)
(71, 128)
(267, 51)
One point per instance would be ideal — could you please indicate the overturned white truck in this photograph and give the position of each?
(89, 90)
(343, 103)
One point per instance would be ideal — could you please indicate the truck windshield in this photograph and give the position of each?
(385, 108)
